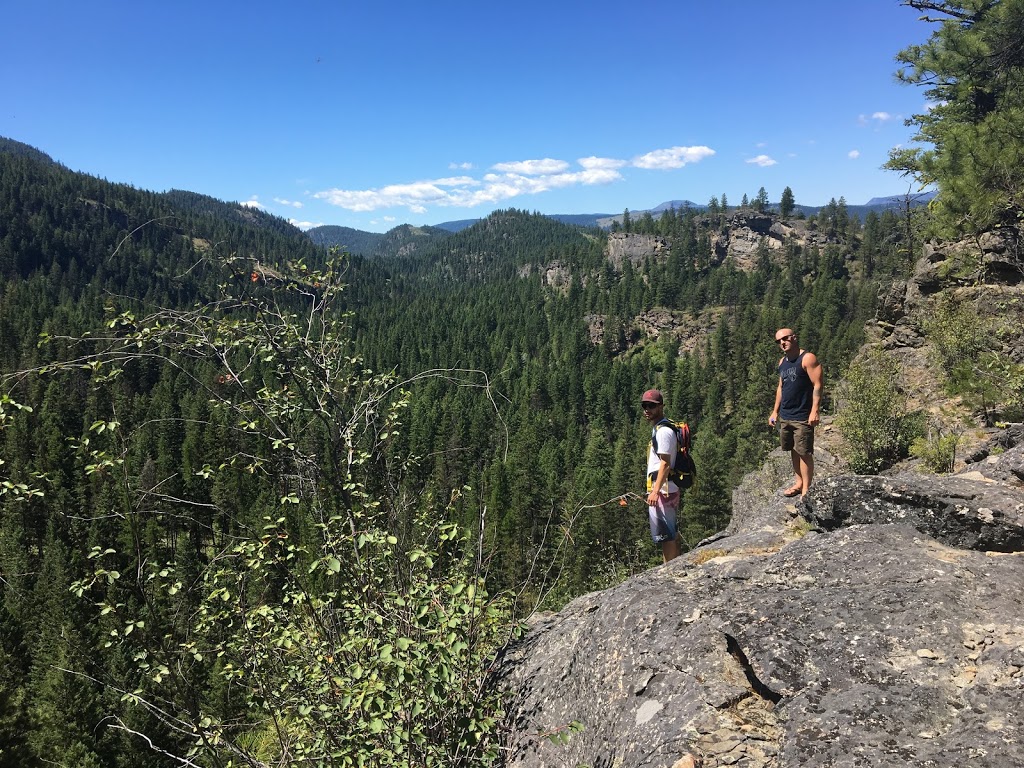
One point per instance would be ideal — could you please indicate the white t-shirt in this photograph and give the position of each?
(667, 446)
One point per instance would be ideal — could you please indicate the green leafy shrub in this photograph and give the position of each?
(937, 453)
(963, 346)
(314, 618)
(957, 334)
(873, 417)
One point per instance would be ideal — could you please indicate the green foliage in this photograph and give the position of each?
(341, 631)
(786, 203)
(973, 71)
(761, 201)
(343, 652)
(936, 451)
(957, 333)
(963, 346)
(872, 415)
(563, 734)
(1009, 375)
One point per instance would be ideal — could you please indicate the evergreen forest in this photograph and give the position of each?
(508, 417)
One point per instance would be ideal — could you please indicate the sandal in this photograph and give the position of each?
(791, 492)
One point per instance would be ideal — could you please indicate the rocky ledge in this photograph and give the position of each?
(881, 623)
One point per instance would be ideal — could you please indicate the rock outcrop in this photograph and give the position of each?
(625, 246)
(881, 623)
(689, 330)
(744, 232)
(737, 237)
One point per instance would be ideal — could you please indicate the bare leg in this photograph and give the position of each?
(806, 471)
(798, 475)
(670, 549)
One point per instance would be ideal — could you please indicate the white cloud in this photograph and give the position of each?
(292, 203)
(253, 202)
(853, 154)
(414, 196)
(879, 117)
(596, 163)
(593, 176)
(532, 167)
(673, 157)
(304, 225)
(464, 191)
(505, 181)
(763, 161)
(460, 166)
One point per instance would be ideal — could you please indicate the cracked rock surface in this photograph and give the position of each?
(874, 640)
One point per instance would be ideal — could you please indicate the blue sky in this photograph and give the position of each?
(374, 114)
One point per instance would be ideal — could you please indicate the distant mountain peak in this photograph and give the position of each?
(916, 198)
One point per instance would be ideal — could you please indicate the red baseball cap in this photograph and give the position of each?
(652, 396)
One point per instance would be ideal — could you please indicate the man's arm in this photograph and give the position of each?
(660, 480)
(778, 404)
(815, 374)
(665, 467)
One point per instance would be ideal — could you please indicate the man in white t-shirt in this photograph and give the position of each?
(662, 494)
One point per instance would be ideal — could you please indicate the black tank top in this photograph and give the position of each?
(797, 390)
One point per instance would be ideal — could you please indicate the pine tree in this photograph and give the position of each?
(786, 203)
(973, 70)
(761, 201)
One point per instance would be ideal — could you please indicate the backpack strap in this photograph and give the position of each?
(654, 438)
(654, 432)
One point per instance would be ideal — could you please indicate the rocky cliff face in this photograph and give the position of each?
(743, 232)
(879, 624)
(624, 246)
(736, 237)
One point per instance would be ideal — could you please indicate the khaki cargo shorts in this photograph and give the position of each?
(796, 436)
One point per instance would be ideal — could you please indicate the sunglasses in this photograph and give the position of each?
(649, 406)
(786, 338)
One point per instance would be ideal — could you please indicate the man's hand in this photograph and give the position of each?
(813, 418)
(773, 418)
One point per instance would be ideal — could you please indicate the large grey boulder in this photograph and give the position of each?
(967, 512)
(835, 639)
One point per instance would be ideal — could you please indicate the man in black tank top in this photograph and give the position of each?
(797, 401)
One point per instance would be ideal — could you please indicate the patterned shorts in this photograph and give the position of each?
(663, 517)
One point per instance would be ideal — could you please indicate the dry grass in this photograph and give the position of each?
(708, 554)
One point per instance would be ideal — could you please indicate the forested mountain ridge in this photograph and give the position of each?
(401, 240)
(346, 238)
(358, 241)
(12, 147)
(527, 434)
